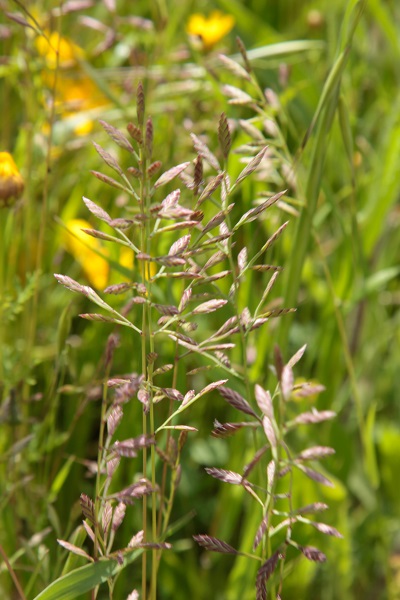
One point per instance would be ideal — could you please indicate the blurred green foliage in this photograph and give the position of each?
(347, 303)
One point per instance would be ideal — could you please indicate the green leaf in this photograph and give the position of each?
(60, 478)
(376, 282)
(369, 442)
(84, 579)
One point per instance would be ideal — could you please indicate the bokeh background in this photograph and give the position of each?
(347, 294)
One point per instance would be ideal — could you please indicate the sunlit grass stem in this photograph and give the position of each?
(143, 247)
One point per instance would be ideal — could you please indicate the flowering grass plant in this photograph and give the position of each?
(190, 262)
(163, 432)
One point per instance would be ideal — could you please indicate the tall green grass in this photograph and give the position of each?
(333, 131)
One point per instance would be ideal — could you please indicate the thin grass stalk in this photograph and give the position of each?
(147, 372)
(143, 248)
(370, 465)
(325, 112)
(290, 502)
(162, 525)
(6, 123)
(32, 314)
(44, 206)
(152, 422)
(97, 551)
(12, 574)
(170, 501)
(304, 224)
(269, 505)
(100, 453)
(28, 228)
(347, 138)
(3, 257)
(356, 241)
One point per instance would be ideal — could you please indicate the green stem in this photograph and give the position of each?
(100, 460)
(147, 371)
(165, 466)
(31, 325)
(144, 373)
(12, 573)
(148, 283)
(3, 255)
(349, 364)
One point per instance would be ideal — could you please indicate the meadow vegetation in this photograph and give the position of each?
(206, 406)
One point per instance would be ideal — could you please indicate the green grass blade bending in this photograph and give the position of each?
(84, 579)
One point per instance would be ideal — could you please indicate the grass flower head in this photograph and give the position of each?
(210, 30)
(11, 182)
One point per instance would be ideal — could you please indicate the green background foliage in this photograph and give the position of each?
(335, 100)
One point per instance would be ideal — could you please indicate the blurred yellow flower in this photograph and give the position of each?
(11, 182)
(75, 92)
(51, 44)
(77, 96)
(83, 247)
(209, 30)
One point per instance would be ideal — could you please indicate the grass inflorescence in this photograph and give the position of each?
(238, 168)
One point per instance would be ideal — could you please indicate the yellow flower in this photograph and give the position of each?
(209, 30)
(83, 248)
(11, 182)
(75, 92)
(76, 96)
(51, 44)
